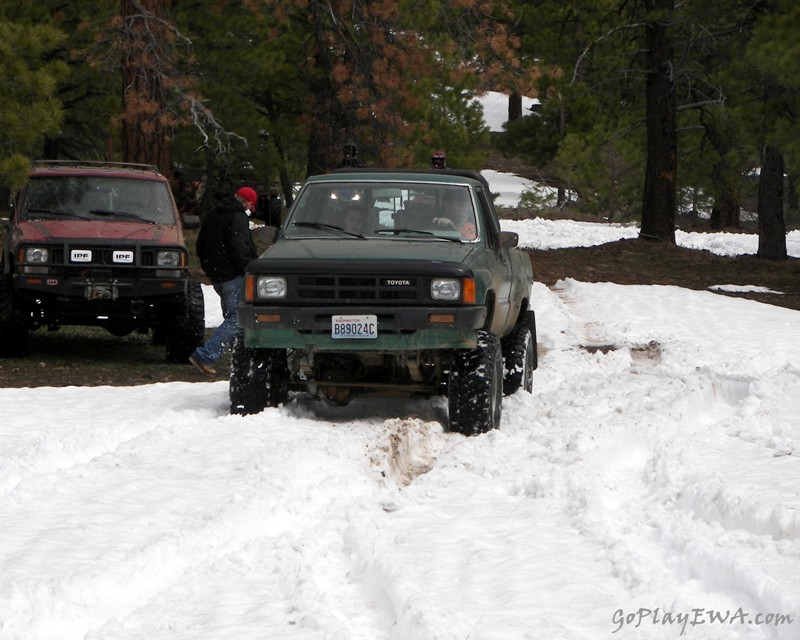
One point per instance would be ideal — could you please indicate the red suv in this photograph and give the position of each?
(98, 244)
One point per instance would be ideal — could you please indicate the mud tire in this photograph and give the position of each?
(259, 378)
(13, 330)
(188, 327)
(520, 355)
(475, 387)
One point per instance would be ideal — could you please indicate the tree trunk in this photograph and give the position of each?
(725, 177)
(726, 207)
(144, 133)
(561, 197)
(283, 174)
(660, 198)
(514, 107)
(316, 160)
(792, 203)
(771, 225)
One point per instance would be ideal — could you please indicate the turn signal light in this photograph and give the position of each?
(469, 291)
(249, 289)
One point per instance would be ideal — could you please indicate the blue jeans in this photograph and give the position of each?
(229, 293)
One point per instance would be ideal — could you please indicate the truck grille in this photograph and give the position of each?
(102, 259)
(103, 256)
(359, 289)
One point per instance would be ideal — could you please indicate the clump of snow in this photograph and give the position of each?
(736, 288)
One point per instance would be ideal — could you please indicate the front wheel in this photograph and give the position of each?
(187, 327)
(259, 378)
(475, 387)
(13, 329)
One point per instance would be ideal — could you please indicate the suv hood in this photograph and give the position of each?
(392, 251)
(48, 230)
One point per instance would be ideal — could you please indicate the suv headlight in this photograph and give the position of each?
(37, 255)
(446, 289)
(168, 258)
(271, 287)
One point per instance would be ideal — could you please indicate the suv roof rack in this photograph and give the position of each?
(98, 164)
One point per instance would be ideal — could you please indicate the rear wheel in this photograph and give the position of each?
(475, 387)
(188, 326)
(259, 378)
(520, 355)
(13, 330)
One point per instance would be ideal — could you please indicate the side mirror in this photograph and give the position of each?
(508, 239)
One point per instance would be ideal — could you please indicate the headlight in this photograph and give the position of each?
(446, 289)
(271, 287)
(168, 258)
(37, 255)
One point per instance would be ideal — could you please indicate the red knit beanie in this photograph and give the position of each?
(248, 194)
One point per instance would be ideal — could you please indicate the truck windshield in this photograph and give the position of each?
(98, 198)
(417, 211)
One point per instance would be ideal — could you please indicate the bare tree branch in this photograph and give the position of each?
(597, 41)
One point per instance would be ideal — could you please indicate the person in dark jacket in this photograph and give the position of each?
(225, 248)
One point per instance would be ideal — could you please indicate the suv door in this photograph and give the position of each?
(500, 265)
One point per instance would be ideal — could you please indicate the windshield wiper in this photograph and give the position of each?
(419, 231)
(121, 214)
(56, 212)
(327, 227)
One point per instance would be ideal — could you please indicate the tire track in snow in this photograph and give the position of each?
(222, 508)
(35, 445)
(661, 510)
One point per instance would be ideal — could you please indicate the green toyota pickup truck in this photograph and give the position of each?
(386, 282)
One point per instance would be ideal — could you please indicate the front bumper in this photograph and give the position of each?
(99, 289)
(399, 328)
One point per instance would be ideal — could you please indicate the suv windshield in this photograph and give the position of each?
(97, 198)
(370, 210)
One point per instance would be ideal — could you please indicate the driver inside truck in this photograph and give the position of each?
(457, 213)
(353, 221)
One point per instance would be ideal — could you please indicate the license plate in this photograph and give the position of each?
(361, 327)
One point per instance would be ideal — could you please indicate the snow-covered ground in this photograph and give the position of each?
(649, 487)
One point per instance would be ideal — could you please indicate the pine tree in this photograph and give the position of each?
(394, 77)
(29, 107)
(775, 54)
(659, 201)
